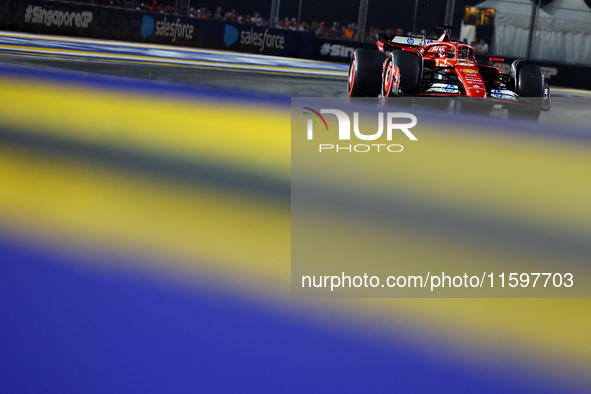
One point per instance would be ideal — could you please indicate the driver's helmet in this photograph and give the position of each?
(445, 51)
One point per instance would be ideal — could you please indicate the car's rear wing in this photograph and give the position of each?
(391, 40)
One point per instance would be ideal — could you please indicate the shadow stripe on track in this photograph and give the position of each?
(192, 172)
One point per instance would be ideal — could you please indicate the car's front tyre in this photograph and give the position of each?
(529, 83)
(365, 73)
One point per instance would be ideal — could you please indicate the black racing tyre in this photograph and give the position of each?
(365, 73)
(529, 80)
(402, 74)
(531, 84)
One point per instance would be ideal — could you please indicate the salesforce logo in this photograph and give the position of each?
(147, 26)
(231, 35)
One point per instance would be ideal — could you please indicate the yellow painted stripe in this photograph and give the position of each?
(234, 135)
(513, 177)
(570, 91)
(224, 232)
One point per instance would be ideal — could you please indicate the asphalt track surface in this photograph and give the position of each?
(266, 83)
(189, 66)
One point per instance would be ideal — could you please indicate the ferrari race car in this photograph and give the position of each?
(413, 67)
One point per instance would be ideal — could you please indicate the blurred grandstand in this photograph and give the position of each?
(496, 26)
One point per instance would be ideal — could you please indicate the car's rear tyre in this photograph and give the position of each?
(402, 74)
(365, 73)
(529, 80)
(529, 83)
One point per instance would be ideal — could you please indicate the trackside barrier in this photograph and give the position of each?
(84, 20)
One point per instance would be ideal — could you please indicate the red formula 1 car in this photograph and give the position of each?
(409, 66)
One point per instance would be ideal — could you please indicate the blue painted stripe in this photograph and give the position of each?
(67, 329)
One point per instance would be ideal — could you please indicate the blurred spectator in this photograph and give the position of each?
(262, 23)
(230, 16)
(256, 19)
(314, 27)
(218, 14)
(334, 31)
(350, 30)
(320, 29)
(482, 47)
